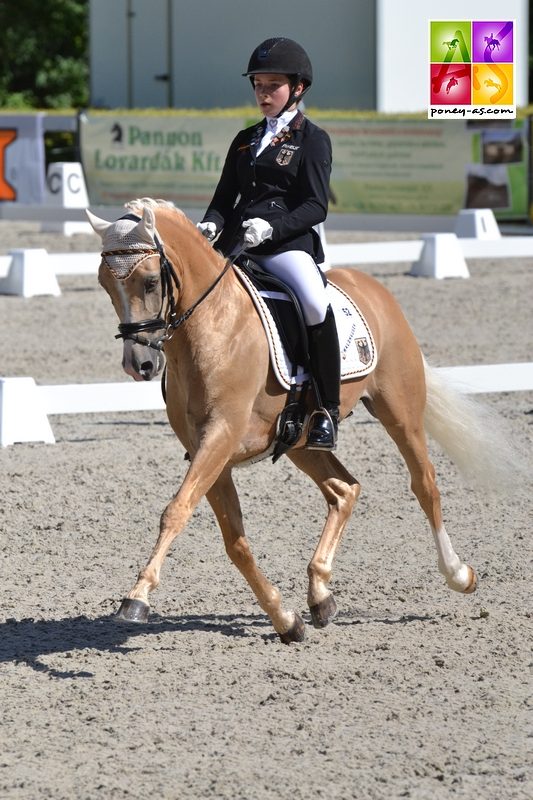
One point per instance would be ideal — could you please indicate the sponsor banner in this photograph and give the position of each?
(379, 166)
(471, 69)
(420, 167)
(178, 158)
(22, 160)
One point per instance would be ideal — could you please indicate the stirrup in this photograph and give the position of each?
(322, 435)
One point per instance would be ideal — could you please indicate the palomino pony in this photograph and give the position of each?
(170, 288)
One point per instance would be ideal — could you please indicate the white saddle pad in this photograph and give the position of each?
(358, 351)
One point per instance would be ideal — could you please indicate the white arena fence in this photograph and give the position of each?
(26, 406)
(30, 272)
(437, 255)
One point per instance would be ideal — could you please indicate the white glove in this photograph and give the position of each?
(207, 229)
(258, 230)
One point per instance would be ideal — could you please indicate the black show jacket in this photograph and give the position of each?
(287, 184)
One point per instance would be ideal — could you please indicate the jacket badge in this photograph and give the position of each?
(284, 156)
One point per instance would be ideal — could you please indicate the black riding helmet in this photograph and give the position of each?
(284, 57)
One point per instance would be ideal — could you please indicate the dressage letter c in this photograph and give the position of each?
(54, 182)
(73, 183)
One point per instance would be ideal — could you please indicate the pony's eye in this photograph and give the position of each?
(150, 284)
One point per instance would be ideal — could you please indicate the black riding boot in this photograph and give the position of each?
(324, 356)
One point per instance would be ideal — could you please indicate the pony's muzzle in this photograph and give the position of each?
(142, 363)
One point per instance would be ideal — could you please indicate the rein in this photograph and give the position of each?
(169, 280)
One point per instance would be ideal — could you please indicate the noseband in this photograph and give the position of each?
(169, 280)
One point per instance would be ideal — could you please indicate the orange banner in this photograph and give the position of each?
(6, 190)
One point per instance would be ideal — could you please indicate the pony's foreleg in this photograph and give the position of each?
(341, 491)
(205, 468)
(225, 503)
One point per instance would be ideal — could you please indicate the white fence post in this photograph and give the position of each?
(30, 273)
(477, 223)
(441, 257)
(22, 416)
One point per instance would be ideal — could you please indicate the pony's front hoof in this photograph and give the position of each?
(322, 613)
(133, 611)
(296, 632)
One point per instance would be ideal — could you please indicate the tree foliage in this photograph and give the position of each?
(44, 59)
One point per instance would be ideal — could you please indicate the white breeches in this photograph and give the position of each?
(300, 272)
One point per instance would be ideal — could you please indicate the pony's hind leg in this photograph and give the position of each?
(340, 490)
(402, 415)
(224, 501)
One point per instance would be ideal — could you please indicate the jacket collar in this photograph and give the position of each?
(285, 132)
(275, 124)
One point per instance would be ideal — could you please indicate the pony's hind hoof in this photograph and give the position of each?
(133, 611)
(472, 585)
(296, 632)
(322, 613)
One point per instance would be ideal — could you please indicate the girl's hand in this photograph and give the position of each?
(257, 231)
(207, 229)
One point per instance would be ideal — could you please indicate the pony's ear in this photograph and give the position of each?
(100, 226)
(146, 227)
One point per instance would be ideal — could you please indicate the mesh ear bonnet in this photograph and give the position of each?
(123, 249)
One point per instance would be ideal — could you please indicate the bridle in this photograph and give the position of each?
(171, 321)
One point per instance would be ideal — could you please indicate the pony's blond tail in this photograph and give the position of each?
(472, 435)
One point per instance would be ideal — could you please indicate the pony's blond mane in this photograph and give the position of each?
(186, 224)
(150, 202)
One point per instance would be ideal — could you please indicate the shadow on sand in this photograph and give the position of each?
(25, 641)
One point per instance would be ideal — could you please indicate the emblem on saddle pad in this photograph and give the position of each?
(284, 156)
(363, 350)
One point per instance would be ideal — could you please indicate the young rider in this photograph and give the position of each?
(273, 190)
